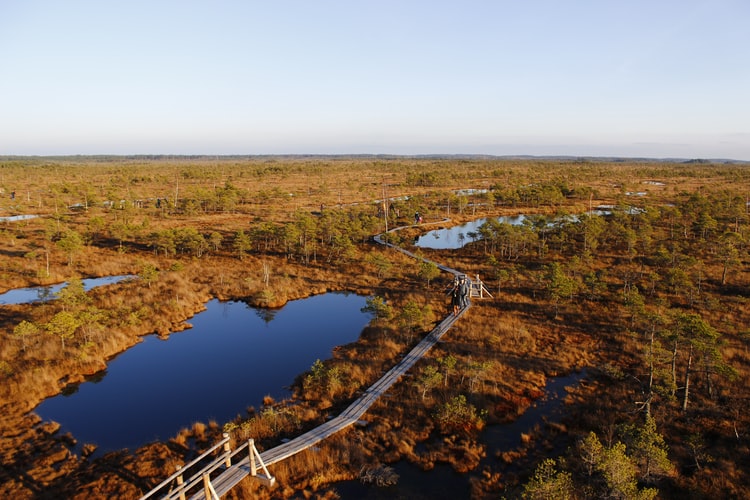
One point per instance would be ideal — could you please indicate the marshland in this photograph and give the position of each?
(643, 311)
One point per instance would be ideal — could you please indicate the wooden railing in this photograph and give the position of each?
(477, 288)
(175, 486)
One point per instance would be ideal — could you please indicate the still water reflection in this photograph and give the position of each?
(232, 357)
(457, 236)
(45, 293)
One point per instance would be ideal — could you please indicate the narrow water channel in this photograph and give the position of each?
(443, 482)
(232, 357)
(15, 218)
(45, 293)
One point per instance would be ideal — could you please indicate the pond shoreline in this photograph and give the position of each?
(40, 448)
(224, 336)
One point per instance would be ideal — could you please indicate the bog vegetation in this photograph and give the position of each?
(649, 298)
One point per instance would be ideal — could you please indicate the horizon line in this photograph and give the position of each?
(373, 155)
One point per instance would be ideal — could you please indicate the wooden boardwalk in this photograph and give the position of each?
(251, 463)
(237, 472)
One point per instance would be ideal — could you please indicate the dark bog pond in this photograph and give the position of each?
(232, 357)
(44, 293)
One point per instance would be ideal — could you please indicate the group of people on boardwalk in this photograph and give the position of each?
(459, 293)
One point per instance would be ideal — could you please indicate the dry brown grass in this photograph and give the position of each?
(515, 336)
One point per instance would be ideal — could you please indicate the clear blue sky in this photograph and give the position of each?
(657, 78)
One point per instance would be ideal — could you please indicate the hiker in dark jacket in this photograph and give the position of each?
(463, 291)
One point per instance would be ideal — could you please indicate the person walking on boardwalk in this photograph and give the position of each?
(463, 291)
(455, 294)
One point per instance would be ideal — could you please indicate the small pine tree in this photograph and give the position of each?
(549, 484)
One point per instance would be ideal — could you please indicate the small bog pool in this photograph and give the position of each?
(457, 236)
(232, 357)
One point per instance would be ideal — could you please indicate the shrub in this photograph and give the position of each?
(458, 415)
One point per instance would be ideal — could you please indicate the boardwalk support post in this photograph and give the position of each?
(208, 488)
(180, 482)
(266, 478)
